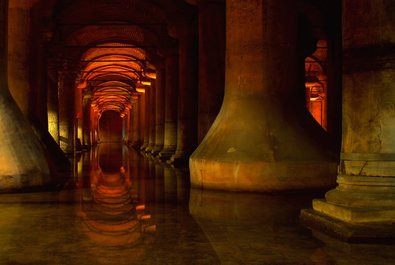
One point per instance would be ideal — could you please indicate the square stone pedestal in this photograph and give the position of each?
(348, 231)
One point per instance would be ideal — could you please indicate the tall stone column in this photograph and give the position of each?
(211, 62)
(134, 121)
(20, 54)
(146, 120)
(22, 161)
(40, 80)
(138, 120)
(86, 119)
(52, 101)
(160, 88)
(171, 96)
(186, 33)
(66, 98)
(263, 138)
(362, 206)
(151, 117)
(94, 127)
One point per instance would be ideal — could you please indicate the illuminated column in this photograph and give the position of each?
(94, 124)
(86, 119)
(187, 93)
(22, 162)
(126, 128)
(362, 206)
(52, 102)
(78, 118)
(146, 118)
(160, 87)
(152, 117)
(263, 138)
(66, 95)
(138, 120)
(170, 137)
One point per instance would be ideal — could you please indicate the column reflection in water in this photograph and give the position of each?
(111, 211)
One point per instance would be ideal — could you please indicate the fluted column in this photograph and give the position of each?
(362, 206)
(263, 138)
(22, 161)
(171, 96)
(160, 87)
(186, 33)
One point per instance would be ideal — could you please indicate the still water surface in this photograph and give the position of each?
(120, 207)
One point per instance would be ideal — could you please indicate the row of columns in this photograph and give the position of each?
(173, 123)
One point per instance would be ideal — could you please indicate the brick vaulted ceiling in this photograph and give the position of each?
(111, 45)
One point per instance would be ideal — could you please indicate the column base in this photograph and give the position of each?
(262, 176)
(179, 159)
(349, 232)
(157, 148)
(166, 153)
(149, 148)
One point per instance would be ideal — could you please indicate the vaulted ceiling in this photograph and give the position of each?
(112, 46)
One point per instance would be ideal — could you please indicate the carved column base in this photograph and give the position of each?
(361, 208)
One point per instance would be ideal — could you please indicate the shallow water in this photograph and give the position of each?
(120, 207)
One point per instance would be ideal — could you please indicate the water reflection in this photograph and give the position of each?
(111, 211)
(125, 208)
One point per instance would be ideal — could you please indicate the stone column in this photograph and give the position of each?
(160, 87)
(137, 120)
(78, 118)
(211, 62)
(22, 161)
(86, 119)
(362, 206)
(186, 33)
(134, 121)
(20, 54)
(263, 138)
(146, 117)
(67, 79)
(170, 137)
(94, 126)
(151, 117)
(53, 103)
(40, 80)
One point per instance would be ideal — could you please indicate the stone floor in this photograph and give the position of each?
(122, 208)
